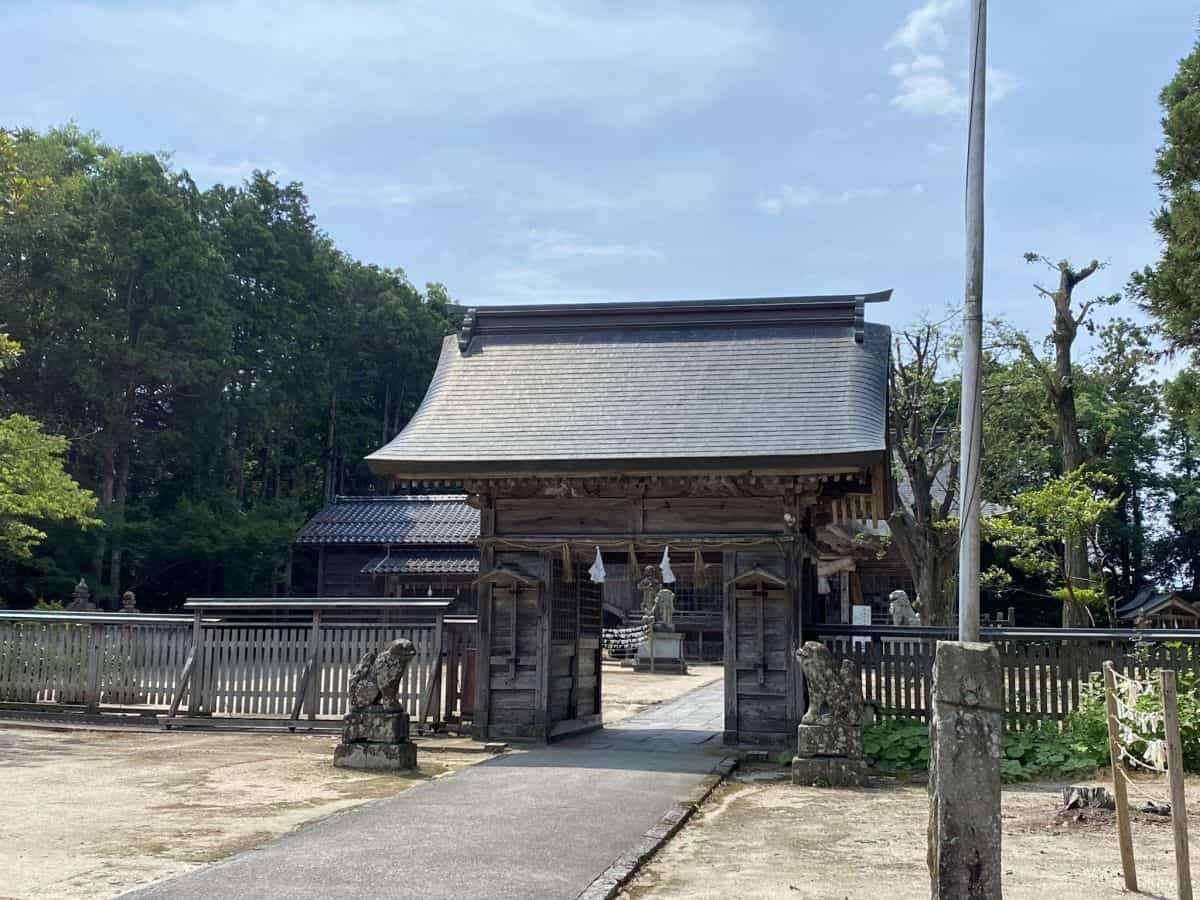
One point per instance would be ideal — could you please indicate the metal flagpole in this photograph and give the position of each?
(971, 419)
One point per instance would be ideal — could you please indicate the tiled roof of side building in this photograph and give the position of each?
(423, 561)
(407, 519)
(650, 387)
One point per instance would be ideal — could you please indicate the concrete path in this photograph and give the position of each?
(537, 824)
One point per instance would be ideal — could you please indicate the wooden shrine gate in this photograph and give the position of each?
(543, 678)
(761, 703)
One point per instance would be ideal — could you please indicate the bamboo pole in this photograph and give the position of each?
(1124, 836)
(1183, 872)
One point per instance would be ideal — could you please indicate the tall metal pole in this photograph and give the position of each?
(971, 419)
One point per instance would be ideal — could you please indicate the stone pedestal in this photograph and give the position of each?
(667, 647)
(964, 772)
(828, 771)
(829, 740)
(376, 739)
(837, 739)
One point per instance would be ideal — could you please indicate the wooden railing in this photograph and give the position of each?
(278, 660)
(91, 659)
(1045, 670)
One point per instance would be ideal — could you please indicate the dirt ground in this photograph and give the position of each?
(758, 837)
(88, 813)
(97, 813)
(626, 692)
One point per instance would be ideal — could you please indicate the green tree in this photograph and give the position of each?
(34, 486)
(1170, 289)
(924, 416)
(1120, 417)
(1058, 376)
(1066, 509)
(1178, 551)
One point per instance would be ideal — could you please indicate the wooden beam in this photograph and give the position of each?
(1179, 826)
(1124, 835)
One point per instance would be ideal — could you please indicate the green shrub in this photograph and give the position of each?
(1045, 752)
(897, 744)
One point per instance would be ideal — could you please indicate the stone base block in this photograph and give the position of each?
(667, 650)
(378, 726)
(662, 666)
(830, 740)
(376, 757)
(828, 771)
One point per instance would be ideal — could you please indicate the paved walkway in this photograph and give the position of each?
(537, 824)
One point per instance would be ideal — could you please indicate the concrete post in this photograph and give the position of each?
(964, 772)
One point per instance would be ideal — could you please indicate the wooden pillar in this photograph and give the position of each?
(95, 651)
(483, 635)
(795, 572)
(312, 697)
(321, 571)
(196, 685)
(728, 571)
(542, 699)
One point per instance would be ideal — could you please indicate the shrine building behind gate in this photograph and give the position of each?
(726, 430)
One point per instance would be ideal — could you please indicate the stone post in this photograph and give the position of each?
(964, 772)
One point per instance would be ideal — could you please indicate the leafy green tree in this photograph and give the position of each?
(219, 365)
(34, 486)
(1058, 376)
(1120, 417)
(1067, 508)
(1178, 551)
(1170, 289)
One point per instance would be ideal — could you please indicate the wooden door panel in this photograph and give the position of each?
(763, 673)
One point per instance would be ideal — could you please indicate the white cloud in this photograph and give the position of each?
(924, 27)
(308, 66)
(530, 284)
(1000, 84)
(549, 244)
(790, 196)
(932, 94)
(923, 86)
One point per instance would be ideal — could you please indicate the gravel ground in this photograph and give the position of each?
(759, 837)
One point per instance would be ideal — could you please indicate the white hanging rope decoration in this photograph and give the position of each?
(1137, 726)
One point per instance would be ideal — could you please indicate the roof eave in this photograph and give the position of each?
(433, 470)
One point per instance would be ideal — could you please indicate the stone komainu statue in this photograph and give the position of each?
(834, 694)
(901, 609)
(376, 679)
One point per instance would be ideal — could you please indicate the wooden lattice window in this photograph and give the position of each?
(590, 600)
(564, 604)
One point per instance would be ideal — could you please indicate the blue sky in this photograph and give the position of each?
(537, 150)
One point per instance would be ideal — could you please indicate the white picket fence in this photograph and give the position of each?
(198, 664)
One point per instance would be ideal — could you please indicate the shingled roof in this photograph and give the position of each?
(727, 385)
(433, 519)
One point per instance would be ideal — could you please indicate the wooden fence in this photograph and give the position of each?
(1045, 670)
(271, 660)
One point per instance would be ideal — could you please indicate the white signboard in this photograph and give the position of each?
(860, 615)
